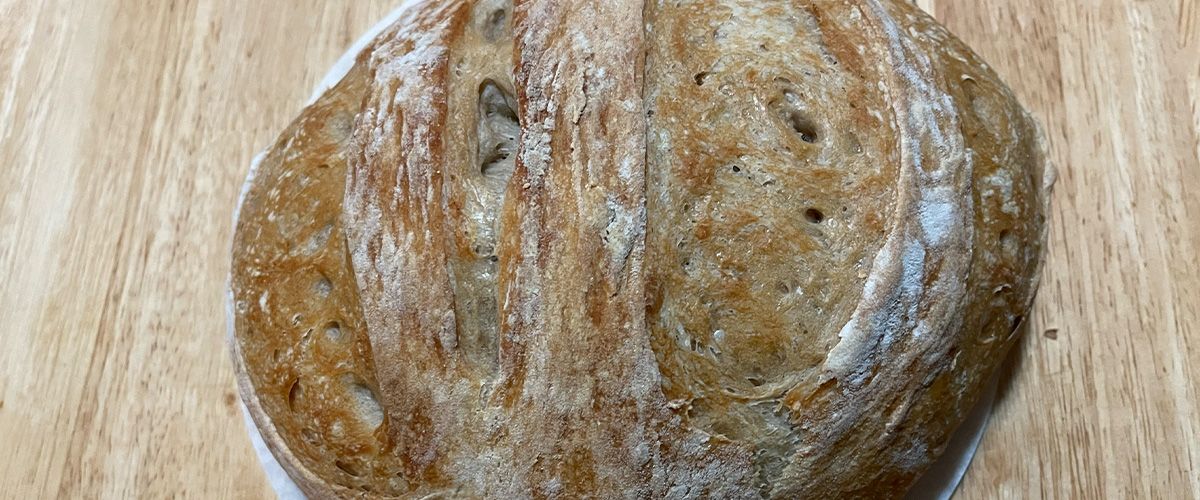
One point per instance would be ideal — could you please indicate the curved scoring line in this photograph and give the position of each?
(927, 191)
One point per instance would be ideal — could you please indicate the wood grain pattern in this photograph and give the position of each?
(126, 128)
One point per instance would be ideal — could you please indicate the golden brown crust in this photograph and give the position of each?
(561, 248)
(300, 339)
(774, 168)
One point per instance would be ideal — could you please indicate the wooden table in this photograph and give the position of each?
(126, 128)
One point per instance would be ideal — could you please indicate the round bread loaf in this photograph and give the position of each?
(640, 249)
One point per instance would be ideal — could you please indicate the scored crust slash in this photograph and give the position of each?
(643, 249)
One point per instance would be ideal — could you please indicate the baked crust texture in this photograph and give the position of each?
(642, 249)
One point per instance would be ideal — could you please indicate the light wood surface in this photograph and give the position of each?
(126, 128)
